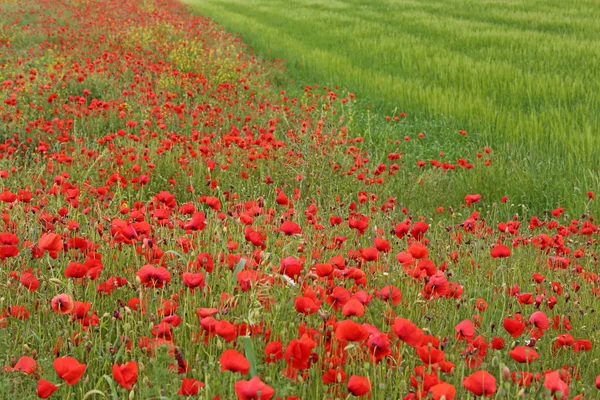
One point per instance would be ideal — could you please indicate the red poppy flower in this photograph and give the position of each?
(524, 298)
(197, 223)
(254, 389)
(9, 239)
(333, 375)
(472, 198)
(405, 258)
(205, 261)
(291, 267)
(353, 308)
(69, 369)
(17, 312)
(81, 309)
(305, 305)
(390, 293)
(8, 251)
(556, 385)
(442, 390)
(75, 270)
(563, 340)
(418, 230)
(350, 331)
(417, 250)
(125, 374)
(51, 242)
(382, 245)
(206, 312)
(45, 388)
(369, 254)
(190, 387)
(401, 229)
(359, 222)
(193, 281)
(408, 332)
(213, 202)
(232, 360)
(582, 345)
(522, 378)
(323, 270)
(151, 276)
(378, 346)
(497, 343)
(500, 251)
(226, 330)
(24, 364)
(29, 280)
(514, 327)
(540, 320)
(480, 383)
(290, 228)
(62, 304)
(437, 286)
(430, 355)
(298, 352)
(338, 298)
(359, 385)
(523, 354)
(273, 351)
(256, 238)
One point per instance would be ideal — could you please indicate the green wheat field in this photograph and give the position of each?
(522, 75)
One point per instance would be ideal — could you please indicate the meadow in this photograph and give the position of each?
(183, 217)
(521, 76)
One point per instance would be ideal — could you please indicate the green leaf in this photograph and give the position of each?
(37, 338)
(174, 252)
(93, 392)
(113, 388)
(250, 354)
(240, 266)
(120, 352)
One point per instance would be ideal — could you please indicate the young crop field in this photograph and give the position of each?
(522, 75)
(184, 216)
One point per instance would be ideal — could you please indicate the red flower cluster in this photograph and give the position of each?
(168, 212)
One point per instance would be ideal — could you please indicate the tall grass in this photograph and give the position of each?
(522, 75)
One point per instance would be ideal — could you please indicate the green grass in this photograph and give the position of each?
(520, 76)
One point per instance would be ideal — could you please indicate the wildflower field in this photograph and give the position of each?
(182, 218)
